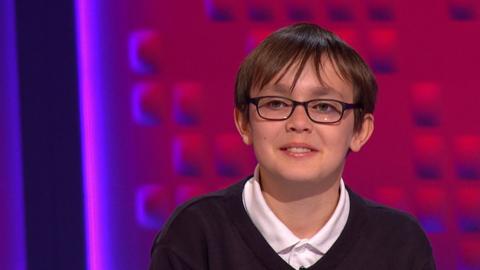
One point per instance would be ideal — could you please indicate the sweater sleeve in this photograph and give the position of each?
(429, 264)
(165, 259)
(181, 244)
(422, 252)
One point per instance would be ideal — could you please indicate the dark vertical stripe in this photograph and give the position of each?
(50, 134)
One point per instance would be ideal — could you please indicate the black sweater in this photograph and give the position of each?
(215, 232)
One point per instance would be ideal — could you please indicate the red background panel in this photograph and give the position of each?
(424, 53)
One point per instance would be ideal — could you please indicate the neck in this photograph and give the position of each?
(303, 207)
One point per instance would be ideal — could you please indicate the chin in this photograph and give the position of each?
(308, 174)
(301, 175)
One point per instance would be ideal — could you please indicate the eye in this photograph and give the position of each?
(275, 104)
(324, 107)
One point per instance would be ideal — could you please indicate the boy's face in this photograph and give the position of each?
(297, 149)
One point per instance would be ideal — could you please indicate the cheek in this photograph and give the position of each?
(337, 138)
(265, 139)
(262, 139)
(266, 131)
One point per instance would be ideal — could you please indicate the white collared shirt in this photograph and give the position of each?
(295, 251)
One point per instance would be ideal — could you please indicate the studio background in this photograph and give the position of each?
(114, 112)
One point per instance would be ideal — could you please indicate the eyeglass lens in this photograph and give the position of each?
(277, 108)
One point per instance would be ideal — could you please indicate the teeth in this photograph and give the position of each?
(298, 150)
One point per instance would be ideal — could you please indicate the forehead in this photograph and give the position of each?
(313, 79)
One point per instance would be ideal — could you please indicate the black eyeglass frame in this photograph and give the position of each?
(304, 104)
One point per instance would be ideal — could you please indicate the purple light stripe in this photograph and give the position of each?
(12, 226)
(95, 218)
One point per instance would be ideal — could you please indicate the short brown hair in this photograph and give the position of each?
(298, 43)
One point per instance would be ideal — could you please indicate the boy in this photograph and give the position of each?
(303, 99)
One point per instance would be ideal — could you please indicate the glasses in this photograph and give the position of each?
(322, 111)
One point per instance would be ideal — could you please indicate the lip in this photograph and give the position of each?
(285, 148)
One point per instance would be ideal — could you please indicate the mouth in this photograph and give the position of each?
(298, 149)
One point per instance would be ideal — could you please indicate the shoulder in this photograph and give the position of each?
(193, 226)
(391, 234)
(191, 218)
(385, 216)
(391, 230)
(385, 238)
(390, 216)
(391, 226)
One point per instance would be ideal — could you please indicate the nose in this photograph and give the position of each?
(299, 121)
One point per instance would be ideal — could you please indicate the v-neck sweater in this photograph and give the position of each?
(295, 251)
(215, 232)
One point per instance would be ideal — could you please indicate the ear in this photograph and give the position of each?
(361, 136)
(243, 126)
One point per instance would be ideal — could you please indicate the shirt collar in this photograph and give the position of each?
(277, 234)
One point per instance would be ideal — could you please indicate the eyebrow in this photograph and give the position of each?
(315, 91)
